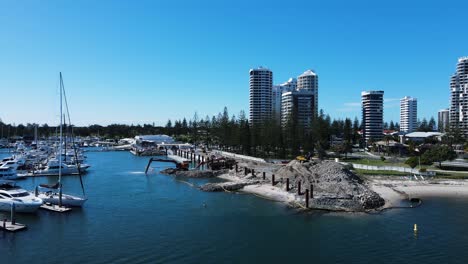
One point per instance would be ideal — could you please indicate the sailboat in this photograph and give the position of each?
(53, 193)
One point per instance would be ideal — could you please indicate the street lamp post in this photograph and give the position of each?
(419, 156)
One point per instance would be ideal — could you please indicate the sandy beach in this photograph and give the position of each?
(265, 190)
(394, 190)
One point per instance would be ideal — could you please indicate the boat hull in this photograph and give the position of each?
(20, 207)
(67, 200)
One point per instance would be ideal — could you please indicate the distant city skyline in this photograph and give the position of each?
(149, 62)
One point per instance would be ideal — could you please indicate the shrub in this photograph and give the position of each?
(412, 162)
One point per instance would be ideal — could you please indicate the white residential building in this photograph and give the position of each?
(459, 97)
(309, 81)
(408, 114)
(261, 82)
(299, 105)
(277, 91)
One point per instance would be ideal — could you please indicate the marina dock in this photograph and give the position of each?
(178, 159)
(11, 226)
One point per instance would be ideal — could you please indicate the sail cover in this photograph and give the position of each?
(55, 186)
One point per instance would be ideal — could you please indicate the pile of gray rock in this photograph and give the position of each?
(193, 173)
(226, 186)
(334, 186)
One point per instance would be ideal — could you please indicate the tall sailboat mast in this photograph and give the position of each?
(60, 144)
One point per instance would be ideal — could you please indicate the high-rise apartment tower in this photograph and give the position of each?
(459, 97)
(408, 114)
(261, 81)
(372, 115)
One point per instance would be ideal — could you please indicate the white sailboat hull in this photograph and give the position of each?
(67, 200)
(55, 172)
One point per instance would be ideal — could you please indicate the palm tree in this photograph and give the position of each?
(387, 139)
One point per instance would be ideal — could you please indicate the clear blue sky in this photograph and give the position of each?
(148, 61)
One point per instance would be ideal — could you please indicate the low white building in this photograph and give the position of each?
(421, 136)
(154, 139)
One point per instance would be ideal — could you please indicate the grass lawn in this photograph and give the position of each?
(376, 162)
(379, 172)
(387, 162)
(439, 175)
(448, 175)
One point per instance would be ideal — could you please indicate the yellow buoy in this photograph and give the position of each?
(415, 228)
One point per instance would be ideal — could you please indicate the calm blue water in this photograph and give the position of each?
(133, 218)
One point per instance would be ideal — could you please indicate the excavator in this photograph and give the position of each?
(218, 163)
(305, 158)
(179, 165)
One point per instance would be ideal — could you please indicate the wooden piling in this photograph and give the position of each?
(236, 168)
(263, 175)
(245, 171)
(287, 184)
(299, 188)
(253, 172)
(307, 198)
(13, 213)
(273, 180)
(60, 195)
(311, 191)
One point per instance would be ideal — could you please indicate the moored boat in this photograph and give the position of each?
(25, 202)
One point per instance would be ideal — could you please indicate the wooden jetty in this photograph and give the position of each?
(11, 226)
(178, 159)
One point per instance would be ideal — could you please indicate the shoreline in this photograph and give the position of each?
(393, 190)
